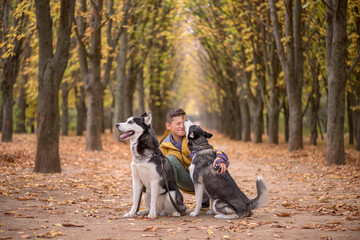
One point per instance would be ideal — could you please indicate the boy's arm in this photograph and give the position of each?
(222, 160)
(221, 157)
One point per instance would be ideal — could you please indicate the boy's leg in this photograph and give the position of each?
(182, 177)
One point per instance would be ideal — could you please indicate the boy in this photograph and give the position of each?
(174, 146)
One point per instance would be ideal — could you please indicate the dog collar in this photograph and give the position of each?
(193, 154)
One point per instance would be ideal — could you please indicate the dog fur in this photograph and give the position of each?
(228, 201)
(147, 171)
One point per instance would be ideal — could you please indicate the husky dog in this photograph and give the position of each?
(228, 201)
(151, 170)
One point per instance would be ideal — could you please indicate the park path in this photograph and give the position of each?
(307, 199)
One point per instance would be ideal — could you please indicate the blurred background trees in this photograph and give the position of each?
(246, 69)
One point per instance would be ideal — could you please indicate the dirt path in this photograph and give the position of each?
(308, 200)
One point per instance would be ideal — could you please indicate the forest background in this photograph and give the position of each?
(242, 68)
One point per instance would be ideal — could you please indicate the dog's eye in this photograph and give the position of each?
(131, 121)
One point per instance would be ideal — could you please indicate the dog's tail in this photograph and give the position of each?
(263, 194)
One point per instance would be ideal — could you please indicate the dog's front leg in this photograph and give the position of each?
(154, 197)
(199, 191)
(137, 186)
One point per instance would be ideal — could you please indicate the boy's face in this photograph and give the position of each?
(176, 127)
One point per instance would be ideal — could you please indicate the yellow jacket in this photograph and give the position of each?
(167, 148)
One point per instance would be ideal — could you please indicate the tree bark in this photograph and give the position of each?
(336, 72)
(129, 89)
(350, 114)
(140, 90)
(65, 108)
(119, 115)
(80, 109)
(245, 121)
(315, 105)
(51, 70)
(21, 101)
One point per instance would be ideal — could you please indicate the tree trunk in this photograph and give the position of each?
(65, 116)
(273, 126)
(10, 72)
(80, 110)
(314, 100)
(1, 116)
(258, 122)
(7, 104)
(21, 102)
(93, 116)
(140, 89)
(292, 65)
(129, 89)
(357, 129)
(336, 72)
(350, 117)
(93, 85)
(315, 105)
(120, 82)
(245, 121)
(51, 70)
(286, 122)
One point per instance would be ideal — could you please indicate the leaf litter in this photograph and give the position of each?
(93, 192)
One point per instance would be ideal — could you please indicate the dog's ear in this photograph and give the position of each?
(144, 115)
(148, 118)
(208, 135)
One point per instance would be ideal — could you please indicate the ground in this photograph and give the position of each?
(307, 199)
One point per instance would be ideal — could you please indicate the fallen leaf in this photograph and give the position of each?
(72, 225)
(283, 214)
(150, 229)
(308, 226)
(6, 237)
(209, 231)
(51, 234)
(25, 236)
(148, 235)
(333, 222)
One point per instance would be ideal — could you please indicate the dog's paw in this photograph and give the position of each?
(210, 212)
(176, 214)
(143, 212)
(193, 214)
(152, 215)
(129, 215)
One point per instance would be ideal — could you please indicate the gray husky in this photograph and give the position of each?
(228, 201)
(151, 170)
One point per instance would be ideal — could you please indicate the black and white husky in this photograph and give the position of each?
(228, 201)
(147, 166)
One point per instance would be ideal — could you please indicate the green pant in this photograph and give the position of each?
(182, 176)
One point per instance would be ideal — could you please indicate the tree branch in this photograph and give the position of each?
(82, 45)
(357, 59)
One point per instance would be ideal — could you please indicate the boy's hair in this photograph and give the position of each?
(175, 112)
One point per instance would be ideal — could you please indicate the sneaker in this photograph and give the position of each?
(205, 203)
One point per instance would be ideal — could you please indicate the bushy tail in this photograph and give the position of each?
(263, 194)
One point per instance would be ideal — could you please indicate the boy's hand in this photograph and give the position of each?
(222, 165)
